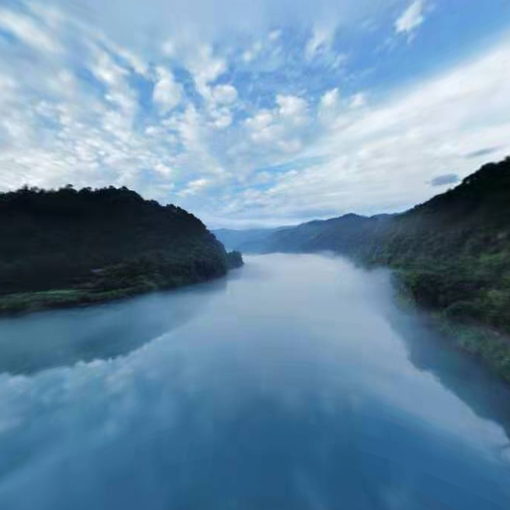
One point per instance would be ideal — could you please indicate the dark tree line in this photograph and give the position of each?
(101, 240)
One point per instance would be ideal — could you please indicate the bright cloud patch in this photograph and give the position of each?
(28, 31)
(224, 94)
(167, 93)
(411, 18)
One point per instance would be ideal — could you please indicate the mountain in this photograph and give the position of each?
(451, 253)
(64, 247)
(249, 241)
(339, 234)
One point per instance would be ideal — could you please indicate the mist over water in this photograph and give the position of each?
(295, 384)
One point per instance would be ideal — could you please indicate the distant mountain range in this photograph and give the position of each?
(257, 240)
(66, 247)
(452, 253)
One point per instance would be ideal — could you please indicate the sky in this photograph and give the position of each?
(258, 113)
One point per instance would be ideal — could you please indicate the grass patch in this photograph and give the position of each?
(57, 298)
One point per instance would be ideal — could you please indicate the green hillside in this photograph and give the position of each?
(66, 246)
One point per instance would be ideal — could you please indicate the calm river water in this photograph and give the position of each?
(296, 383)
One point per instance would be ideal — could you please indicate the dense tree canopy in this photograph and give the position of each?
(101, 240)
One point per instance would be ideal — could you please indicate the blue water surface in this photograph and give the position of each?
(296, 383)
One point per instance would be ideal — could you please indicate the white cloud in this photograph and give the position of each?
(222, 118)
(292, 107)
(330, 98)
(163, 169)
(380, 158)
(205, 68)
(411, 18)
(114, 77)
(321, 38)
(262, 120)
(214, 149)
(167, 92)
(358, 100)
(282, 128)
(194, 187)
(329, 105)
(27, 30)
(71, 132)
(133, 60)
(252, 53)
(224, 94)
(320, 49)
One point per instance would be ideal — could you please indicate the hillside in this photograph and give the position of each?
(249, 240)
(452, 254)
(66, 246)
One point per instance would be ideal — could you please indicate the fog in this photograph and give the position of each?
(297, 383)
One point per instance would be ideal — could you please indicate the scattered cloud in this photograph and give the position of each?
(330, 99)
(205, 68)
(411, 18)
(329, 105)
(28, 30)
(292, 107)
(444, 180)
(375, 158)
(167, 93)
(194, 187)
(358, 100)
(281, 129)
(224, 94)
(216, 120)
(320, 39)
(487, 151)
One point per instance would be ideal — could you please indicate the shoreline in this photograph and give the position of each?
(489, 346)
(24, 303)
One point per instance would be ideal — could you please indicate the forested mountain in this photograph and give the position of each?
(248, 240)
(98, 244)
(452, 252)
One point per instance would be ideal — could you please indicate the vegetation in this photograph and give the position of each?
(454, 251)
(234, 259)
(95, 245)
(452, 254)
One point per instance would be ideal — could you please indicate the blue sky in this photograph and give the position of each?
(255, 113)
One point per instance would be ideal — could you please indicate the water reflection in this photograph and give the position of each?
(54, 338)
(432, 351)
(292, 390)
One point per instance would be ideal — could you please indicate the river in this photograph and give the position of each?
(295, 383)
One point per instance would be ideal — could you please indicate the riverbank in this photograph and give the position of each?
(26, 302)
(490, 346)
